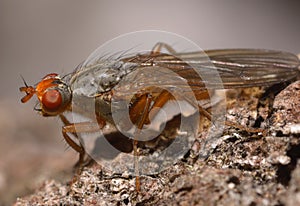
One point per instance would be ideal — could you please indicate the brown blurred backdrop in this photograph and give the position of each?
(40, 37)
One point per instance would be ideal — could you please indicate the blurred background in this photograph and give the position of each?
(41, 37)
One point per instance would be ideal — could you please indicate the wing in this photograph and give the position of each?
(212, 69)
(253, 67)
(236, 67)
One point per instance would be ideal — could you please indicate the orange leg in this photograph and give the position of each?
(245, 128)
(233, 124)
(75, 128)
(160, 45)
(142, 109)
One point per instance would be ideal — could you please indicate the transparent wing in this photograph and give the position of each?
(253, 67)
(198, 71)
(236, 67)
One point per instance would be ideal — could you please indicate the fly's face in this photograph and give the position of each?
(53, 95)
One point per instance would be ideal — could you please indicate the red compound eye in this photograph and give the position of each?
(52, 99)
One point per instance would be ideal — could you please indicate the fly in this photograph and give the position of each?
(107, 81)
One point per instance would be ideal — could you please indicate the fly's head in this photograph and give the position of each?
(53, 94)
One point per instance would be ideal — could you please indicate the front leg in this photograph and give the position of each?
(76, 128)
